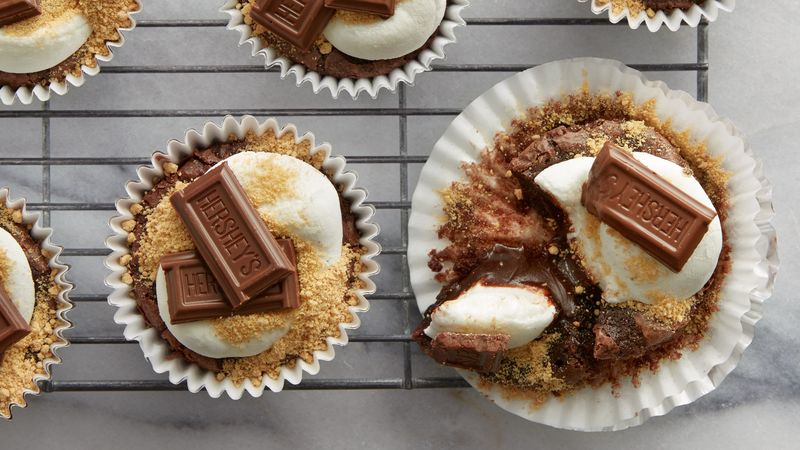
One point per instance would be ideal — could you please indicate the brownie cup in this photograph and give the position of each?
(305, 202)
(577, 315)
(349, 48)
(59, 44)
(32, 304)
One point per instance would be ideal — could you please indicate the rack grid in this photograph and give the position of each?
(402, 203)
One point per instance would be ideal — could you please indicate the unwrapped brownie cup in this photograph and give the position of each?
(46, 46)
(350, 46)
(33, 303)
(590, 248)
(657, 13)
(241, 257)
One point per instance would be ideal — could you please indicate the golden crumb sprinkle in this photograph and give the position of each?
(26, 358)
(164, 233)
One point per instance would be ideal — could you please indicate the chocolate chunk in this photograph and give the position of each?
(12, 11)
(479, 352)
(644, 207)
(616, 335)
(230, 235)
(13, 326)
(300, 22)
(194, 294)
(383, 8)
(571, 354)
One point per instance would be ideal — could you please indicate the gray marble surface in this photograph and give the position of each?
(753, 80)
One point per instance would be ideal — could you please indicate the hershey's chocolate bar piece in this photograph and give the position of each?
(644, 207)
(195, 295)
(230, 236)
(12, 11)
(13, 326)
(479, 352)
(383, 8)
(300, 22)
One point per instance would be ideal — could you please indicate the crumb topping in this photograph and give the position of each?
(165, 233)
(26, 358)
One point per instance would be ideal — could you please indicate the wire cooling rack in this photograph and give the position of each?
(399, 161)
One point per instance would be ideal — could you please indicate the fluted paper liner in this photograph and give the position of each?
(751, 235)
(26, 94)
(352, 86)
(42, 236)
(673, 19)
(155, 349)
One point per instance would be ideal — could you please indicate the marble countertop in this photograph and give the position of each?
(753, 81)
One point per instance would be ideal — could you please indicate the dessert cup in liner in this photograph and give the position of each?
(671, 19)
(155, 349)
(752, 237)
(42, 235)
(26, 94)
(352, 86)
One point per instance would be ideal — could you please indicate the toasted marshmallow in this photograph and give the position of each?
(522, 312)
(45, 47)
(622, 268)
(201, 337)
(311, 211)
(18, 282)
(413, 22)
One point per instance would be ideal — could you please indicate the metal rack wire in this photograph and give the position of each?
(402, 204)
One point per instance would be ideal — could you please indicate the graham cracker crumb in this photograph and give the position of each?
(164, 233)
(277, 183)
(25, 359)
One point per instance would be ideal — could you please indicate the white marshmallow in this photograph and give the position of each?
(312, 213)
(19, 284)
(521, 312)
(616, 264)
(200, 337)
(413, 22)
(44, 48)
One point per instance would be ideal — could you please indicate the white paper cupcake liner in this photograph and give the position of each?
(42, 235)
(671, 19)
(155, 349)
(26, 94)
(752, 237)
(352, 86)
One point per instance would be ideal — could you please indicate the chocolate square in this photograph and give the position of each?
(300, 22)
(383, 8)
(12, 11)
(194, 293)
(13, 326)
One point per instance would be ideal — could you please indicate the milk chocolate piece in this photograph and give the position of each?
(12, 11)
(383, 8)
(194, 294)
(13, 326)
(230, 236)
(478, 352)
(644, 207)
(300, 22)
